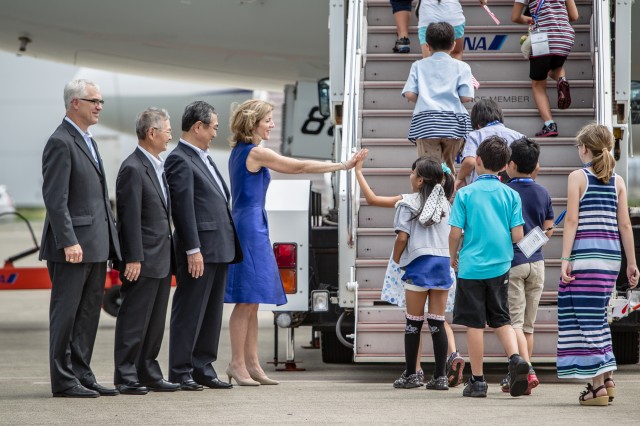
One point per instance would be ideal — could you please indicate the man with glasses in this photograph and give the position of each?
(79, 237)
(144, 228)
(205, 242)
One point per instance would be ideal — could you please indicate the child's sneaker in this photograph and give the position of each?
(548, 131)
(402, 45)
(564, 94)
(504, 383)
(518, 373)
(455, 367)
(475, 389)
(440, 383)
(407, 382)
(532, 381)
(420, 374)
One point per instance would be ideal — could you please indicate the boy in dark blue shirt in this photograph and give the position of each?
(526, 277)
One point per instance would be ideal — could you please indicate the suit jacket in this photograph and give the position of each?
(201, 214)
(77, 200)
(144, 217)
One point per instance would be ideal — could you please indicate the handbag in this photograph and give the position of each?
(392, 286)
(525, 45)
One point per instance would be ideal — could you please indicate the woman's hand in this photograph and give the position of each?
(357, 157)
(565, 271)
(360, 162)
(632, 275)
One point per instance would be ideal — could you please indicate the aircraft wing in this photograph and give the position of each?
(258, 44)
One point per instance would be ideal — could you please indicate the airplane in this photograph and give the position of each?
(252, 44)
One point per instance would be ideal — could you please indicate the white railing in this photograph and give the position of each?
(601, 36)
(349, 143)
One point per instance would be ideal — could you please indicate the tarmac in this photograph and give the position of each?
(323, 393)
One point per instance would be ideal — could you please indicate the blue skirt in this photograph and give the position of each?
(429, 272)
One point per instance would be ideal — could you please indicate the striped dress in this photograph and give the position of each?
(584, 338)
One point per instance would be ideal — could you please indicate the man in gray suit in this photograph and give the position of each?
(144, 228)
(79, 237)
(206, 242)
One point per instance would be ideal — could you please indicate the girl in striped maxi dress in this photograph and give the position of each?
(597, 221)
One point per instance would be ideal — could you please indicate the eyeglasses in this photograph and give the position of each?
(93, 101)
(168, 132)
(215, 127)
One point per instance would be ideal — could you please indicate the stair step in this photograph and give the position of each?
(370, 275)
(401, 153)
(379, 12)
(387, 341)
(503, 38)
(484, 66)
(378, 243)
(371, 297)
(384, 123)
(391, 314)
(509, 95)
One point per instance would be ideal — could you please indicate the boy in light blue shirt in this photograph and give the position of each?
(490, 213)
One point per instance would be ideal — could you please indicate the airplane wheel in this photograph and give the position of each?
(112, 300)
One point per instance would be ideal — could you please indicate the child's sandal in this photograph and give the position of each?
(595, 400)
(611, 390)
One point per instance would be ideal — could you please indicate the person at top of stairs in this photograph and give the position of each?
(421, 250)
(401, 14)
(490, 214)
(552, 39)
(439, 85)
(487, 120)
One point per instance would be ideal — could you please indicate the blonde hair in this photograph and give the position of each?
(245, 119)
(599, 140)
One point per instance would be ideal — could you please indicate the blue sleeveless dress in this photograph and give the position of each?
(584, 337)
(256, 279)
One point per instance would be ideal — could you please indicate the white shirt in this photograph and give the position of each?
(87, 139)
(158, 167)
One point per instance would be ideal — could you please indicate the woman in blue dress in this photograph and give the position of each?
(256, 279)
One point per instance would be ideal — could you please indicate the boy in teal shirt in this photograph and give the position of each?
(490, 214)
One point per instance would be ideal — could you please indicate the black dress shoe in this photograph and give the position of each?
(78, 391)
(103, 391)
(132, 388)
(163, 386)
(190, 385)
(215, 384)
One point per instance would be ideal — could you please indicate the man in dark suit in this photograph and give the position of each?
(144, 229)
(79, 237)
(206, 242)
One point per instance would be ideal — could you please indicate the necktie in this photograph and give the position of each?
(218, 178)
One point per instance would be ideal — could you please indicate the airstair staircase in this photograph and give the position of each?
(385, 116)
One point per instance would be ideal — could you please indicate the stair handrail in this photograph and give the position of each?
(349, 138)
(601, 36)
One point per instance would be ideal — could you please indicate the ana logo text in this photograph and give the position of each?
(8, 278)
(481, 43)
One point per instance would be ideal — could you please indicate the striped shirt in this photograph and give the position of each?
(554, 20)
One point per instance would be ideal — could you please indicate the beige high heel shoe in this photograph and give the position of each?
(262, 378)
(241, 382)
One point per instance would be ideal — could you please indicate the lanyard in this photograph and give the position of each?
(535, 14)
(514, 180)
(488, 177)
(492, 123)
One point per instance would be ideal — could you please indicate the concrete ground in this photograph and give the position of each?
(346, 394)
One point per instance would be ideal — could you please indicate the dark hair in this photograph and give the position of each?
(525, 154)
(485, 111)
(440, 36)
(194, 112)
(430, 170)
(494, 153)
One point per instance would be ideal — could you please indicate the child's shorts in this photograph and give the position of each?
(482, 302)
(400, 5)
(540, 66)
(458, 32)
(526, 282)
